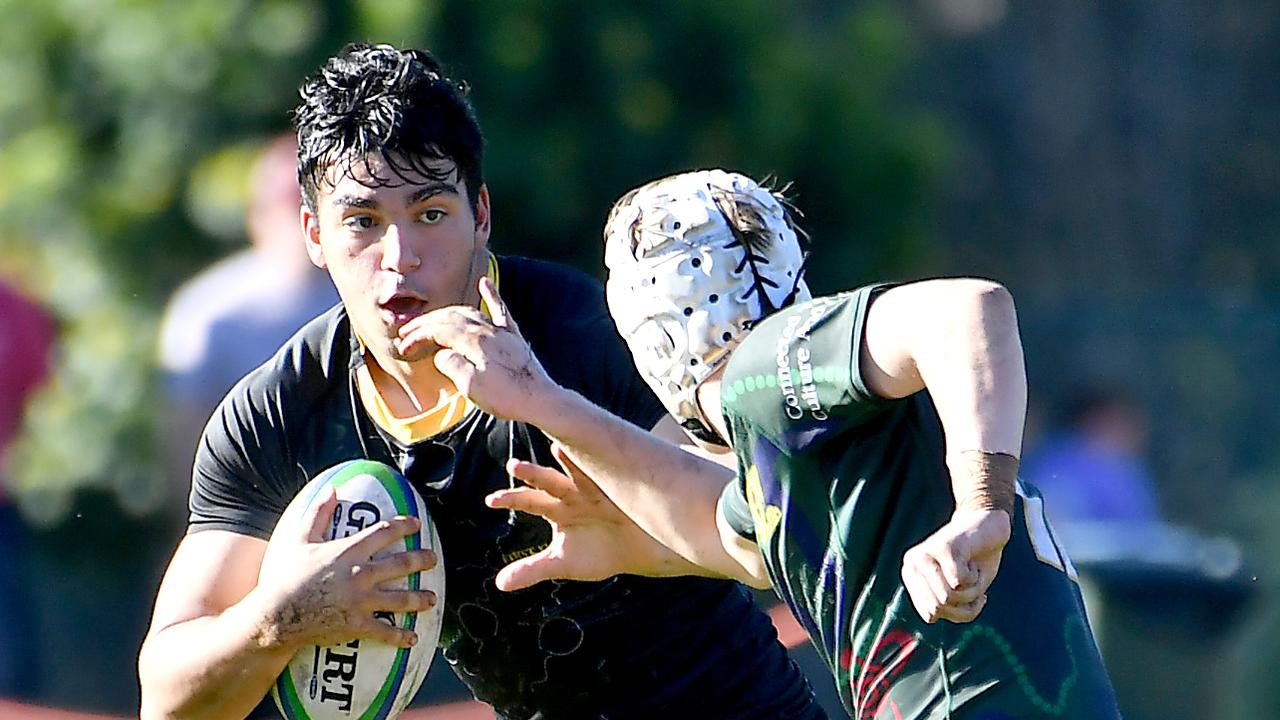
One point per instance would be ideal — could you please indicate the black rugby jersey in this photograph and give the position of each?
(622, 648)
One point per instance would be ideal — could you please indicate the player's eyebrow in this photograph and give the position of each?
(431, 189)
(353, 201)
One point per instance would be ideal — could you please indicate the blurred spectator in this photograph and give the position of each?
(233, 315)
(1091, 467)
(26, 344)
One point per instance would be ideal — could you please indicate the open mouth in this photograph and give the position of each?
(401, 309)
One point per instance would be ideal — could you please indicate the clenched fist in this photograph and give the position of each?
(947, 575)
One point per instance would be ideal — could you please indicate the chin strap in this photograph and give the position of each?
(699, 429)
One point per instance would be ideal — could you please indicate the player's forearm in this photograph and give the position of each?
(669, 493)
(970, 359)
(651, 558)
(213, 667)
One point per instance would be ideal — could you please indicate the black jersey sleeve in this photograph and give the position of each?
(248, 464)
(235, 482)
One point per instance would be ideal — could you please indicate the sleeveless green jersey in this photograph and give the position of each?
(836, 483)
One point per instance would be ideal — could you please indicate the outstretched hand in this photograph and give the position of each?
(948, 574)
(591, 538)
(488, 360)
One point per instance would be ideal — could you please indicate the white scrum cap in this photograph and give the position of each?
(694, 261)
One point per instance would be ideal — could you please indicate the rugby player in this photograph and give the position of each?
(869, 447)
(396, 209)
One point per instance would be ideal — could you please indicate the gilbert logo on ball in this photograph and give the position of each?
(365, 679)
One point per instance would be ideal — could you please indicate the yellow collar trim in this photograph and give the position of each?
(445, 415)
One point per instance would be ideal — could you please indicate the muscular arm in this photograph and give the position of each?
(232, 610)
(207, 654)
(959, 338)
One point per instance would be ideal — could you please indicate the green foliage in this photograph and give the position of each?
(126, 124)
(581, 106)
(115, 103)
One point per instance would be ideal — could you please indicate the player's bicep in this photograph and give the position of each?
(908, 324)
(885, 353)
(208, 573)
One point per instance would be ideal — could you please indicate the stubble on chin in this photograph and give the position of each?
(419, 353)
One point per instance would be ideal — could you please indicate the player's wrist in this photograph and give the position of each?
(532, 399)
(559, 412)
(264, 622)
(983, 480)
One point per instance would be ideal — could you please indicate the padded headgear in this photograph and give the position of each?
(694, 261)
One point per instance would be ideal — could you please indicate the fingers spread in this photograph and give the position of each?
(526, 500)
(562, 456)
(552, 481)
(528, 571)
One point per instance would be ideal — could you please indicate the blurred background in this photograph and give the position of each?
(1116, 165)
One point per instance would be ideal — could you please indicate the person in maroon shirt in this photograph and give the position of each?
(26, 345)
(27, 335)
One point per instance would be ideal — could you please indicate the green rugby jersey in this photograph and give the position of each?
(836, 484)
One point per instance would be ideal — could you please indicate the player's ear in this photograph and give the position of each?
(311, 236)
(482, 216)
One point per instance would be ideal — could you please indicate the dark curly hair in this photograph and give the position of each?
(397, 103)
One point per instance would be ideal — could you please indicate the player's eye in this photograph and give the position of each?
(431, 216)
(358, 223)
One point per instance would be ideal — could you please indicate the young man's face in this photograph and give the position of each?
(396, 253)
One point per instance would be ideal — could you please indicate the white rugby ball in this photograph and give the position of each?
(365, 679)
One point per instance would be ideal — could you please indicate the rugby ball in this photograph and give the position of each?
(364, 679)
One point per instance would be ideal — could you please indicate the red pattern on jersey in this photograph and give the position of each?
(872, 676)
